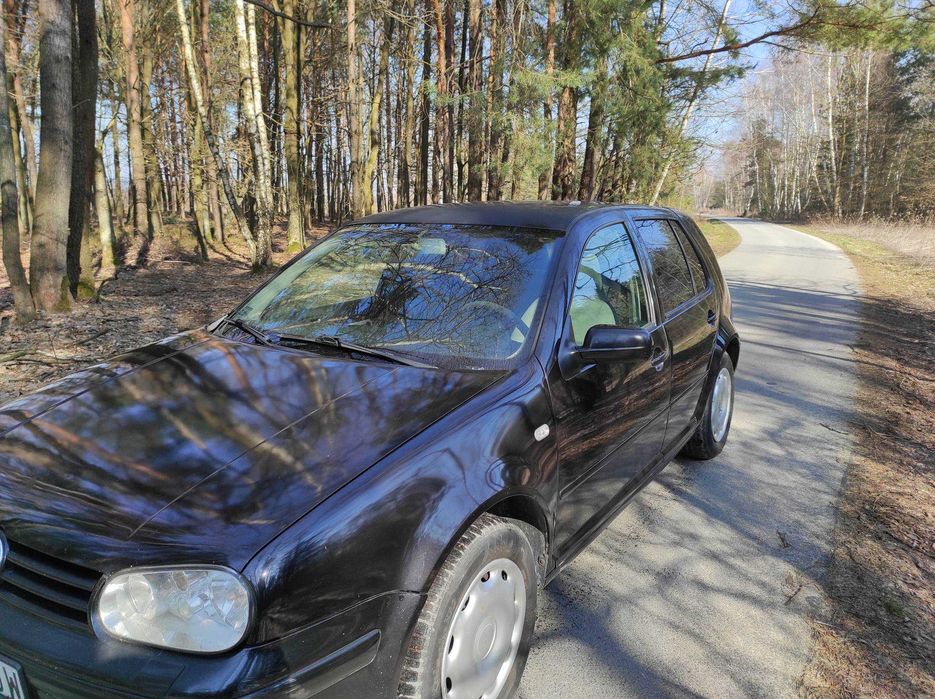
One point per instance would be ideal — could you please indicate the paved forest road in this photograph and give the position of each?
(685, 594)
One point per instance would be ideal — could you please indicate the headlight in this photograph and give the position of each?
(199, 610)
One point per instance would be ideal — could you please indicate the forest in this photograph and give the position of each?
(246, 123)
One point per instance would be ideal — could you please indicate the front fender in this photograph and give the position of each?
(390, 529)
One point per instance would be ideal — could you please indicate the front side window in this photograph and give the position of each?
(457, 296)
(673, 278)
(608, 287)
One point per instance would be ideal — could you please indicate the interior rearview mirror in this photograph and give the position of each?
(610, 343)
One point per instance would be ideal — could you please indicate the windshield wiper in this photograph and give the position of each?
(244, 327)
(338, 343)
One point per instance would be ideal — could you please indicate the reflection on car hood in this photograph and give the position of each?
(202, 449)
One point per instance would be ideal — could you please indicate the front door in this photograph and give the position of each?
(610, 418)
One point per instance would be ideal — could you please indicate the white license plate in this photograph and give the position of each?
(11, 681)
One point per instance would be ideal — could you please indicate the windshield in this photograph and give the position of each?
(457, 296)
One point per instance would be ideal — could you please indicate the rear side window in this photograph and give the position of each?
(609, 287)
(673, 278)
(694, 262)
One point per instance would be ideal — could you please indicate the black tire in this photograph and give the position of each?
(489, 538)
(703, 445)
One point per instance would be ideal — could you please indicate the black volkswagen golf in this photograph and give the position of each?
(357, 482)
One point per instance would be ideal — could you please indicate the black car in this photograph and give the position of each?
(356, 483)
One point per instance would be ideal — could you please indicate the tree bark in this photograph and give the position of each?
(594, 143)
(293, 59)
(80, 274)
(475, 120)
(374, 121)
(9, 200)
(105, 226)
(154, 189)
(256, 128)
(358, 196)
(442, 163)
(563, 171)
(134, 119)
(19, 98)
(546, 175)
(48, 276)
(422, 179)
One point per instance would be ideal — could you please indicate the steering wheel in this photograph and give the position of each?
(512, 316)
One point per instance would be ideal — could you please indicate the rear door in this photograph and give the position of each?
(689, 309)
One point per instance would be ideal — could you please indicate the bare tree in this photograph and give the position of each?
(19, 285)
(47, 272)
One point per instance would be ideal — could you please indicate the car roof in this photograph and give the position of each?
(548, 215)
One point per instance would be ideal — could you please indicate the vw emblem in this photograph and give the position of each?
(4, 550)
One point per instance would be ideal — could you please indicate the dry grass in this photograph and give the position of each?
(879, 639)
(915, 241)
(721, 237)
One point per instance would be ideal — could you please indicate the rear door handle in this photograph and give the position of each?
(712, 317)
(658, 359)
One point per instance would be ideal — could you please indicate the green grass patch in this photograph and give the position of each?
(721, 237)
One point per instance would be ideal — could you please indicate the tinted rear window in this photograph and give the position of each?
(694, 261)
(673, 278)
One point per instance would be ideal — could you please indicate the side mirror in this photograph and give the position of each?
(609, 343)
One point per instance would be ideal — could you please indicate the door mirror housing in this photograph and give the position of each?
(610, 343)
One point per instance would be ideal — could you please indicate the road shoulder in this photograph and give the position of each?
(878, 635)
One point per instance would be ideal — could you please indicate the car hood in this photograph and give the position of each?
(202, 449)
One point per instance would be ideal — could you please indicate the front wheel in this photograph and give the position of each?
(472, 637)
(711, 436)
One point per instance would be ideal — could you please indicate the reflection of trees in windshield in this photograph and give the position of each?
(455, 291)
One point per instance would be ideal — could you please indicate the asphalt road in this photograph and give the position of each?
(702, 586)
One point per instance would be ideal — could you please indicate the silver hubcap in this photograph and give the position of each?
(721, 404)
(484, 636)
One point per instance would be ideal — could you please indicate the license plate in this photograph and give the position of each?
(12, 685)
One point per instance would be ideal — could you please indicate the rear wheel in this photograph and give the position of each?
(472, 637)
(711, 436)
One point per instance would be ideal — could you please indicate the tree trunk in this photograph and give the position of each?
(495, 118)
(80, 274)
(22, 180)
(256, 127)
(374, 122)
(258, 260)
(293, 58)
(104, 216)
(594, 142)
(408, 123)
(475, 120)
(422, 179)
(545, 175)
(154, 190)
(48, 276)
(119, 202)
(442, 163)
(563, 171)
(19, 100)
(22, 301)
(134, 120)
(358, 196)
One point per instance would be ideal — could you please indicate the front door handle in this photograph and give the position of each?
(658, 359)
(712, 317)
